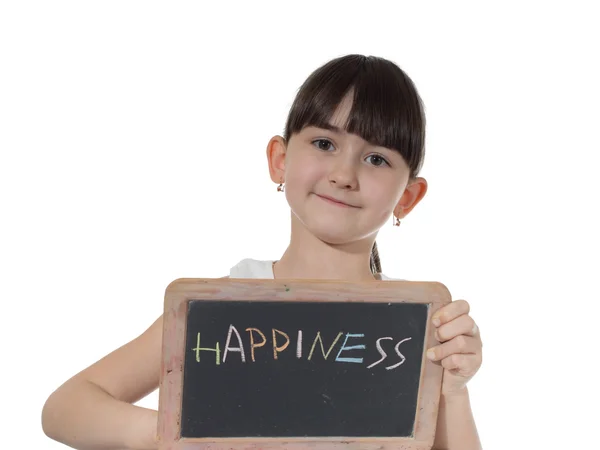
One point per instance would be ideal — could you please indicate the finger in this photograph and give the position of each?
(465, 365)
(450, 312)
(464, 325)
(459, 345)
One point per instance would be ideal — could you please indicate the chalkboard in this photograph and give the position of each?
(261, 362)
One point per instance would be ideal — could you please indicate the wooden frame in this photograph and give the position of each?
(181, 291)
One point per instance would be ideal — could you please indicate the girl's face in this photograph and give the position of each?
(324, 166)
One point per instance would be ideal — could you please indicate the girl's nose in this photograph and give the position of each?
(344, 176)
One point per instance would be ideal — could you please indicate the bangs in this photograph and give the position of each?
(386, 108)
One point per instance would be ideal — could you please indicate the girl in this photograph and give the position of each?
(350, 154)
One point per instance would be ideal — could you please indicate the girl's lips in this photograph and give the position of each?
(335, 202)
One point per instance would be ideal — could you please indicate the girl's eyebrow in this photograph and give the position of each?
(333, 128)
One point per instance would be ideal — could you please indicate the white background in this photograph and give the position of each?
(133, 136)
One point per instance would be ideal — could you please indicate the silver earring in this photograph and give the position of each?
(397, 222)
(280, 188)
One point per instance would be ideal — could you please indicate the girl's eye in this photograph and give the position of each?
(322, 144)
(378, 160)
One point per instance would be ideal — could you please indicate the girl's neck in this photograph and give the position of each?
(309, 257)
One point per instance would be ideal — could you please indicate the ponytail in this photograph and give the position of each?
(375, 261)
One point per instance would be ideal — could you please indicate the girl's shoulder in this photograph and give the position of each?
(256, 268)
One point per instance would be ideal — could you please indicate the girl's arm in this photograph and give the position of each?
(94, 410)
(455, 426)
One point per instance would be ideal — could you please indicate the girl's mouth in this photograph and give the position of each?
(336, 202)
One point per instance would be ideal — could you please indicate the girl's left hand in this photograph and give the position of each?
(460, 348)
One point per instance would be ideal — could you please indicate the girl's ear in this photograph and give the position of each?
(413, 194)
(276, 150)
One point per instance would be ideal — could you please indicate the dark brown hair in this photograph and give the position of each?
(387, 110)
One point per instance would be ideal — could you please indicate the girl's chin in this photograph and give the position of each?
(330, 230)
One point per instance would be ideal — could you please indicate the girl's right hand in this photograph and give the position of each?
(144, 434)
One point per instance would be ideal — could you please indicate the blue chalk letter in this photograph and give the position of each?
(352, 347)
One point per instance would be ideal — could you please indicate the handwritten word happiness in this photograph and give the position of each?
(280, 342)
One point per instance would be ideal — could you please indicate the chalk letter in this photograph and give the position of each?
(399, 354)
(352, 347)
(234, 349)
(198, 348)
(299, 345)
(320, 339)
(252, 344)
(381, 352)
(283, 347)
